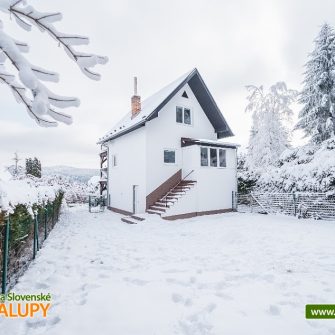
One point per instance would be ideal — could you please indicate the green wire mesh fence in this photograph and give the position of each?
(21, 237)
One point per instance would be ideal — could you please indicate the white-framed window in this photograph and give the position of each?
(114, 160)
(169, 156)
(222, 158)
(204, 156)
(183, 115)
(213, 157)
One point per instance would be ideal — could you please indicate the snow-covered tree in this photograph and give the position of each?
(27, 86)
(33, 167)
(269, 136)
(317, 118)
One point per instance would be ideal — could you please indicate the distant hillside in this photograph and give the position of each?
(77, 174)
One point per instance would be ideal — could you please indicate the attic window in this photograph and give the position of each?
(183, 115)
(184, 95)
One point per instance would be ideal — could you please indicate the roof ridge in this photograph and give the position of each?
(119, 126)
(154, 103)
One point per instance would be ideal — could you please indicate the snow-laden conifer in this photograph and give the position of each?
(317, 117)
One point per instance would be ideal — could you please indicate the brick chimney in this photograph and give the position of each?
(135, 101)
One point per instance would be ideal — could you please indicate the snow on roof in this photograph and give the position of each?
(217, 142)
(148, 106)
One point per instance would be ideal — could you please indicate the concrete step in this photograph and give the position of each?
(151, 211)
(164, 203)
(129, 220)
(182, 188)
(187, 182)
(138, 218)
(177, 193)
(161, 205)
(157, 208)
(172, 197)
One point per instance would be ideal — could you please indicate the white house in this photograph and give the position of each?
(165, 156)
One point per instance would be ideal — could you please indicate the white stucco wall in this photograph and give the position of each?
(164, 132)
(130, 170)
(214, 187)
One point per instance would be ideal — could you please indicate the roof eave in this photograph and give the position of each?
(128, 130)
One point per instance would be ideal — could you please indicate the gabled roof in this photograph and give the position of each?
(152, 105)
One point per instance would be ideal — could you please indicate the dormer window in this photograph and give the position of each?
(183, 115)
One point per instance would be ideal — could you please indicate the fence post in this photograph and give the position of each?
(5, 257)
(35, 248)
(37, 237)
(53, 214)
(57, 211)
(234, 200)
(45, 222)
(295, 204)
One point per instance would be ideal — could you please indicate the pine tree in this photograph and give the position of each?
(269, 137)
(37, 168)
(317, 118)
(29, 166)
(33, 167)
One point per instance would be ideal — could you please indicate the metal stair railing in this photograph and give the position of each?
(170, 191)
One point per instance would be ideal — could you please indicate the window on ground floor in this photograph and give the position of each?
(169, 156)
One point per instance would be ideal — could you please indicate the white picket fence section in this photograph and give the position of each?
(301, 204)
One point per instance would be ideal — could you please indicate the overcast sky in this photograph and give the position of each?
(232, 43)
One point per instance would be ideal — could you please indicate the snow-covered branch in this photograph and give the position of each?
(41, 106)
(27, 15)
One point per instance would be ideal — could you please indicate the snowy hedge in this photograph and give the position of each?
(310, 168)
(27, 191)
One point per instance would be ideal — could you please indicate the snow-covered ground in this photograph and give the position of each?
(225, 275)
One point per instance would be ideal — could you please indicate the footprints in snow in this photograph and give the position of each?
(177, 298)
(136, 281)
(274, 310)
(197, 323)
(42, 323)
